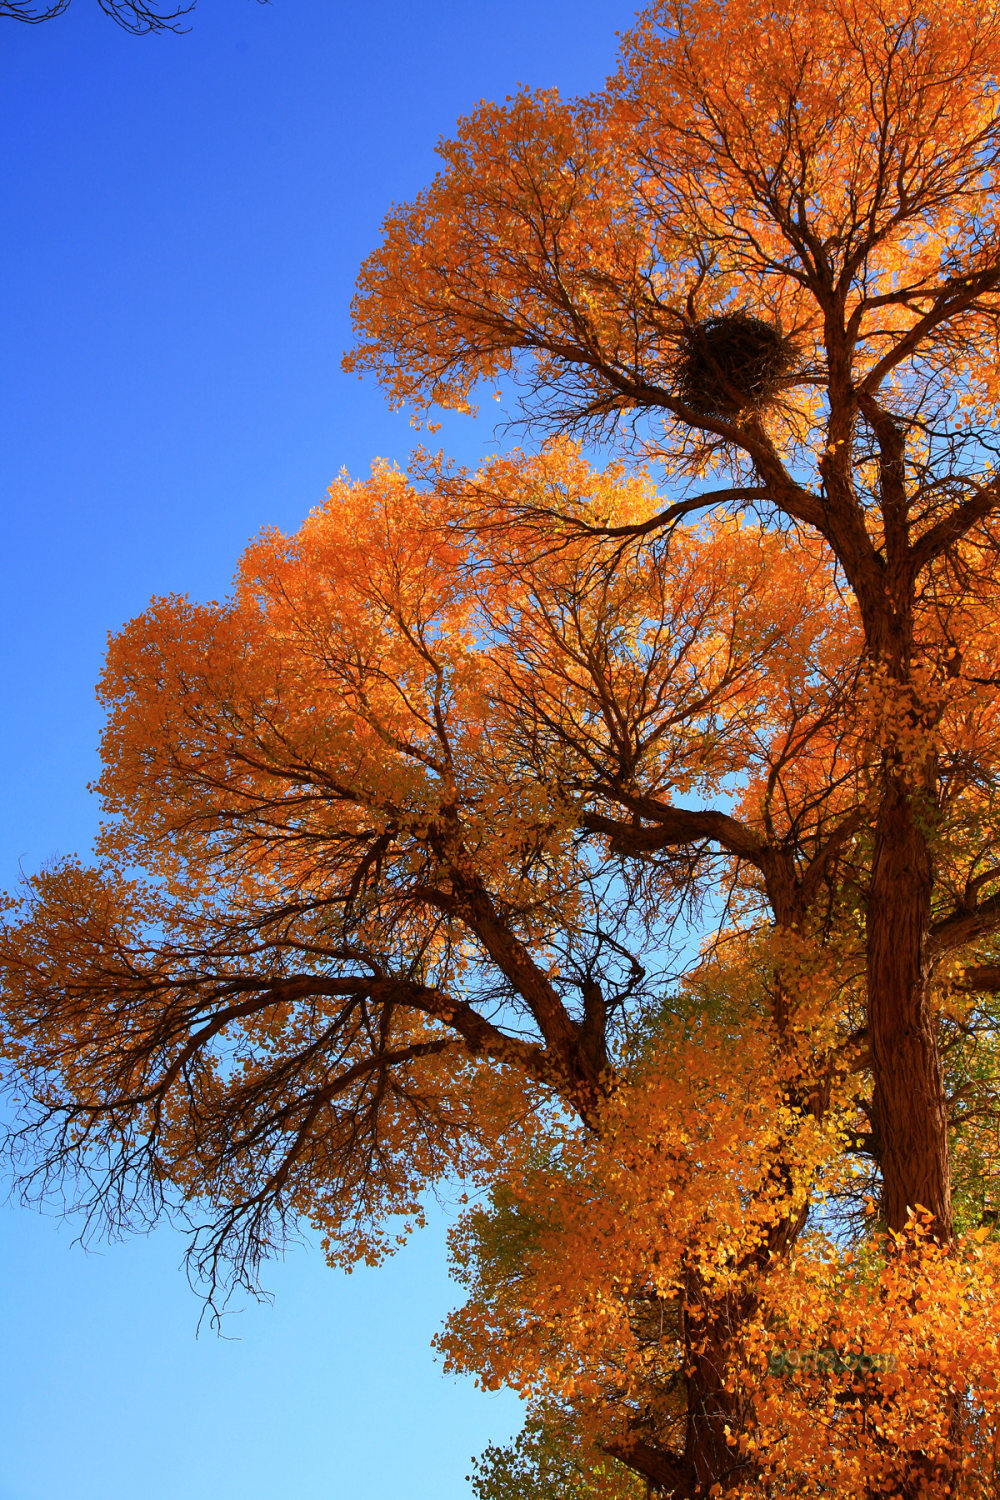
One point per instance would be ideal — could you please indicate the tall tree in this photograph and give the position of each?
(830, 192)
(416, 808)
(404, 837)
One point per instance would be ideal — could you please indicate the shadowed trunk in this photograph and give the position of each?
(712, 1409)
(909, 1105)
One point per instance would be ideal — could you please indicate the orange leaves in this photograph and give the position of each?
(845, 157)
(597, 1271)
(372, 932)
(818, 101)
(328, 681)
(605, 1269)
(412, 668)
(423, 804)
(924, 1401)
(528, 191)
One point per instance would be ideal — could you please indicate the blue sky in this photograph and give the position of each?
(183, 217)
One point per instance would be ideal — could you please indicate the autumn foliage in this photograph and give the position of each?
(617, 839)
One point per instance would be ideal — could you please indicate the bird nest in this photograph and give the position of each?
(732, 363)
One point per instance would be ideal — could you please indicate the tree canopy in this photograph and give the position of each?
(407, 839)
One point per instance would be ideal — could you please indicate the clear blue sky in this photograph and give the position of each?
(183, 217)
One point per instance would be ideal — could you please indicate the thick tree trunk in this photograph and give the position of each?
(708, 1460)
(712, 1409)
(909, 1106)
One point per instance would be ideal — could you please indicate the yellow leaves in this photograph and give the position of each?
(648, 1227)
(923, 1337)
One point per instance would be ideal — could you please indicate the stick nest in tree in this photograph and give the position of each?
(731, 363)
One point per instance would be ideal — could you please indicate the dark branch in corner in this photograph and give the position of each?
(131, 15)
